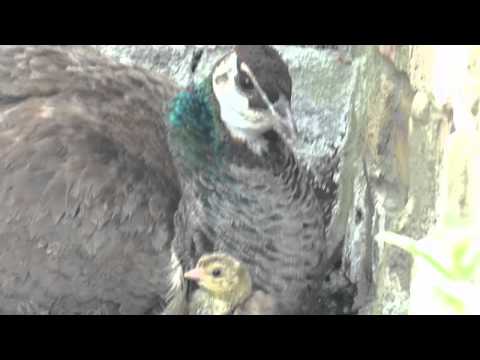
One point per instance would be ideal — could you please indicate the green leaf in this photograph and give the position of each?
(411, 246)
(451, 300)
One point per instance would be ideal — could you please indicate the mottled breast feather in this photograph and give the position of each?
(263, 211)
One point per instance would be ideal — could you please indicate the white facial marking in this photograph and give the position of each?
(243, 123)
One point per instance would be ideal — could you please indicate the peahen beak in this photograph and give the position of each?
(285, 124)
(196, 274)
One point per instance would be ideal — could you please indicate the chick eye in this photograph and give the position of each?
(245, 82)
(216, 273)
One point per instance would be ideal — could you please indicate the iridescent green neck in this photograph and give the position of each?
(195, 118)
(196, 135)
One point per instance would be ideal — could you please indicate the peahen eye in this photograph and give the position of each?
(245, 82)
(217, 273)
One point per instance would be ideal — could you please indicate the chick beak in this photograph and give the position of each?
(285, 124)
(196, 274)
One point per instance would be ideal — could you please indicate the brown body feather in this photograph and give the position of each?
(87, 186)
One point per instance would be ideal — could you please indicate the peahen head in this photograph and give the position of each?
(253, 88)
(249, 92)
